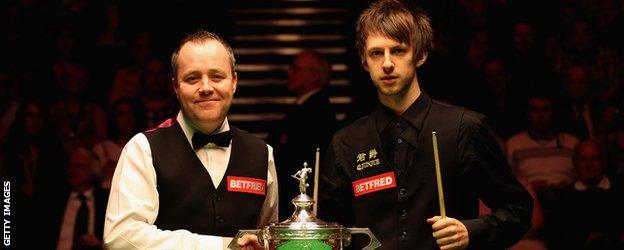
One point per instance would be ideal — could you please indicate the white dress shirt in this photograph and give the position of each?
(66, 235)
(133, 203)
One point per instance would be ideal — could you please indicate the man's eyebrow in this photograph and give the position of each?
(192, 72)
(216, 70)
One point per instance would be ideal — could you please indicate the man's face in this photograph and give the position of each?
(391, 65)
(205, 83)
(523, 36)
(577, 83)
(155, 77)
(34, 119)
(78, 171)
(540, 114)
(589, 164)
(303, 73)
(75, 80)
(495, 79)
(124, 117)
(580, 36)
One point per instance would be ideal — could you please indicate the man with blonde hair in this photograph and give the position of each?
(379, 171)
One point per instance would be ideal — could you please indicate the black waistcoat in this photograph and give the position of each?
(397, 215)
(187, 197)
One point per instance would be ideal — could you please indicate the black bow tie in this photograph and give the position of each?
(220, 139)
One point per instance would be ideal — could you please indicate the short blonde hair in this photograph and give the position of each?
(201, 35)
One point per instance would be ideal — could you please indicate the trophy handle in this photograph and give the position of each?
(374, 242)
(234, 245)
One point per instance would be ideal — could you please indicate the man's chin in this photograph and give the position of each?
(388, 91)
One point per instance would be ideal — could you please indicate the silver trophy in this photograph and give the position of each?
(303, 230)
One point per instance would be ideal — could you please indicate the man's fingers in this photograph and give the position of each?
(444, 232)
(433, 219)
(442, 223)
(249, 241)
(447, 239)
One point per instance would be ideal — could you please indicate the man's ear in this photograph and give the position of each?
(234, 82)
(422, 59)
(175, 86)
(364, 64)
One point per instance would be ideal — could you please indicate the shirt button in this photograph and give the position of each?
(399, 172)
(402, 191)
(217, 197)
(219, 219)
(404, 235)
(399, 141)
(403, 213)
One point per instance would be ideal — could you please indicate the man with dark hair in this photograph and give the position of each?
(379, 171)
(195, 180)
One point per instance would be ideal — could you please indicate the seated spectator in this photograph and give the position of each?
(580, 115)
(155, 93)
(126, 80)
(542, 154)
(82, 222)
(79, 122)
(127, 118)
(34, 160)
(586, 214)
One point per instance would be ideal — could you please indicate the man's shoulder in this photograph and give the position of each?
(356, 127)
(246, 135)
(163, 125)
(467, 117)
(519, 138)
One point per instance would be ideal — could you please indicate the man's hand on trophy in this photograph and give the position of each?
(449, 233)
(250, 242)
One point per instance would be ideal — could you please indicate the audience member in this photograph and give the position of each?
(127, 118)
(79, 122)
(586, 214)
(308, 79)
(542, 154)
(82, 220)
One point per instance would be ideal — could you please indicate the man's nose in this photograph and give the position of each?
(388, 65)
(205, 87)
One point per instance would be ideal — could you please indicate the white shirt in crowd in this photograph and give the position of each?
(542, 160)
(66, 234)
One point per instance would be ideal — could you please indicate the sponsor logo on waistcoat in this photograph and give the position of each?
(374, 183)
(366, 159)
(246, 185)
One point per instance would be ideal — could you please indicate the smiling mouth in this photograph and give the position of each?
(204, 101)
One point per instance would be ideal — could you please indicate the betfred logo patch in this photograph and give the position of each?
(374, 183)
(246, 185)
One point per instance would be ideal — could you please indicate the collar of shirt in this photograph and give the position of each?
(300, 100)
(604, 184)
(414, 117)
(190, 130)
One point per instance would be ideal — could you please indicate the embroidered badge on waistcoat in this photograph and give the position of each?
(374, 183)
(246, 185)
(367, 159)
